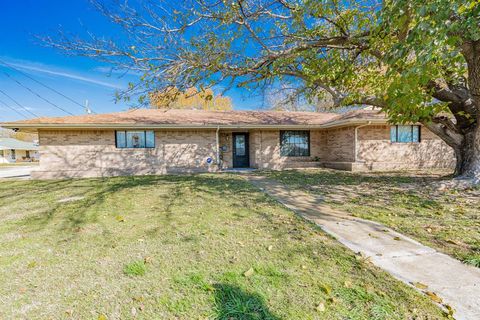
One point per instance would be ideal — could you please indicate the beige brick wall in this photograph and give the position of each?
(339, 145)
(265, 149)
(378, 153)
(226, 148)
(91, 153)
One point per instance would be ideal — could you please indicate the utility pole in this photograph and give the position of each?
(87, 109)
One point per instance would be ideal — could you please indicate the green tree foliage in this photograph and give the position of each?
(417, 60)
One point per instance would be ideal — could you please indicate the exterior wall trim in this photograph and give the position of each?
(333, 124)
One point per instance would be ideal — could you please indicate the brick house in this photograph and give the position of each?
(158, 142)
(13, 150)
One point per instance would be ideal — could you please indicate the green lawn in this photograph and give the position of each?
(179, 247)
(409, 202)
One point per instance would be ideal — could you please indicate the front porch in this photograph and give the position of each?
(277, 149)
(350, 148)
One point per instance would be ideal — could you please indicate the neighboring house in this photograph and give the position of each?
(13, 150)
(150, 141)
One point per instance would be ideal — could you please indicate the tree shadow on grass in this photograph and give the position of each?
(95, 192)
(332, 178)
(233, 303)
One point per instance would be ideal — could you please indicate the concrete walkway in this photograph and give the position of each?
(456, 283)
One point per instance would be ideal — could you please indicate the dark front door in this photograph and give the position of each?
(240, 150)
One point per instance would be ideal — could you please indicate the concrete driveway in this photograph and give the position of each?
(16, 172)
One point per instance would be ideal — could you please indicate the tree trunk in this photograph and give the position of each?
(468, 156)
(466, 146)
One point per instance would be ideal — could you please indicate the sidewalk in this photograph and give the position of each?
(17, 172)
(456, 283)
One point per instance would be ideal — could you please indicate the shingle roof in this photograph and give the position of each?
(361, 114)
(10, 143)
(198, 118)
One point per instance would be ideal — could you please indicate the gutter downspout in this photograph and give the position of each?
(217, 137)
(356, 139)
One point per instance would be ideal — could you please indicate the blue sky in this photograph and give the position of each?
(79, 78)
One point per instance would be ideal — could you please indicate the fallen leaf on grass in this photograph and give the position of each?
(332, 300)
(359, 255)
(147, 259)
(434, 297)
(102, 317)
(419, 285)
(249, 272)
(450, 310)
(270, 248)
(120, 218)
(321, 307)
(454, 242)
(397, 238)
(32, 264)
(326, 288)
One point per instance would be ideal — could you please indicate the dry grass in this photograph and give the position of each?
(179, 247)
(410, 202)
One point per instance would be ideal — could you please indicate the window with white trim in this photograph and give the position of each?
(135, 139)
(405, 134)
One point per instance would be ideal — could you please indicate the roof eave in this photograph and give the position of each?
(328, 124)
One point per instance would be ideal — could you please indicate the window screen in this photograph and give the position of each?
(295, 143)
(405, 134)
(135, 139)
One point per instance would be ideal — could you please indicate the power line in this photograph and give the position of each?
(18, 104)
(6, 105)
(33, 92)
(41, 83)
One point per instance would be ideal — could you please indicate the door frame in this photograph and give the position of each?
(247, 148)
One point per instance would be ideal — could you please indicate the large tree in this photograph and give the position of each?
(417, 60)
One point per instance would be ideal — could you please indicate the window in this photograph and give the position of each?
(405, 134)
(295, 143)
(27, 153)
(13, 154)
(240, 145)
(135, 139)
